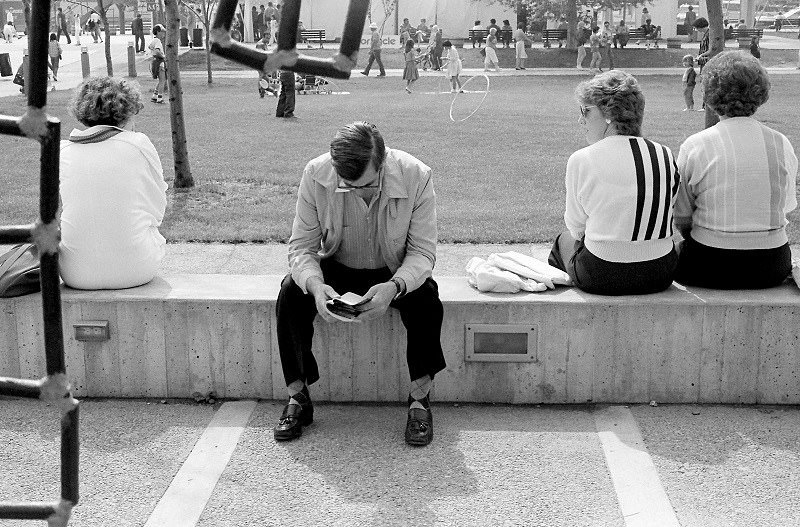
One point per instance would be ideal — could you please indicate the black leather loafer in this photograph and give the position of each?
(293, 419)
(419, 427)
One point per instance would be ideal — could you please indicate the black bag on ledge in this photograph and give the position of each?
(19, 271)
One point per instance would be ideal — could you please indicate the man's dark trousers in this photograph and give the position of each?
(375, 56)
(139, 40)
(286, 98)
(420, 310)
(63, 29)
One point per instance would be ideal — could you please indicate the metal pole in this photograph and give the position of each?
(131, 60)
(85, 61)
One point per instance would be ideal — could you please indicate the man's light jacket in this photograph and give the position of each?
(406, 219)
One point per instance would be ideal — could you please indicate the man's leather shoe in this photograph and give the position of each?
(419, 427)
(293, 419)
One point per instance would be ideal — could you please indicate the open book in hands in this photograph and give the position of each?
(346, 307)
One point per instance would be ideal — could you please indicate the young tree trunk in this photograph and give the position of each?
(572, 22)
(183, 173)
(208, 51)
(121, 11)
(716, 44)
(101, 10)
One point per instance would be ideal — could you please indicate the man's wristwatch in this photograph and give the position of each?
(400, 285)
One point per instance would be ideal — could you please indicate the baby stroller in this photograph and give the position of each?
(268, 83)
(312, 84)
(424, 60)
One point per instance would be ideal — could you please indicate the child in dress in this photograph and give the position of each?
(54, 51)
(453, 66)
(689, 81)
(410, 73)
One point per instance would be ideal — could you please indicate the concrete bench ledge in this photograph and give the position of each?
(197, 333)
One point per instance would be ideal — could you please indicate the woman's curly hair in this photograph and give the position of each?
(106, 100)
(735, 84)
(618, 96)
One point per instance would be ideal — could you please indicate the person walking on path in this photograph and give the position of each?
(688, 23)
(520, 39)
(410, 73)
(158, 67)
(96, 21)
(54, 52)
(385, 255)
(491, 51)
(374, 51)
(137, 28)
(286, 97)
(701, 24)
(436, 47)
(61, 22)
(583, 33)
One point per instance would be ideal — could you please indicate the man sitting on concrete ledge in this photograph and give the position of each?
(365, 223)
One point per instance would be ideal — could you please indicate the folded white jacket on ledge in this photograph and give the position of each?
(490, 279)
(529, 267)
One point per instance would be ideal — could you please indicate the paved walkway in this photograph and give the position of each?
(181, 464)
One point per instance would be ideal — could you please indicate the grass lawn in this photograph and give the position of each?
(498, 175)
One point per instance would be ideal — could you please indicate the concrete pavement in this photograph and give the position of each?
(488, 465)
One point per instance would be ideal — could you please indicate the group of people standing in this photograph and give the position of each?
(266, 21)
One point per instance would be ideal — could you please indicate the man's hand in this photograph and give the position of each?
(379, 297)
(322, 292)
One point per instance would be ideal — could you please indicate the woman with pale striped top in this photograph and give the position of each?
(620, 193)
(738, 184)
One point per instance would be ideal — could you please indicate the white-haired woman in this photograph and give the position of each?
(113, 192)
(738, 183)
(620, 193)
(491, 51)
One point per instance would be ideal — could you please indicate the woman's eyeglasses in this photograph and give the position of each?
(585, 109)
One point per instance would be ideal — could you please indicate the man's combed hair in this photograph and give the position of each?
(354, 146)
(735, 84)
(106, 100)
(618, 96)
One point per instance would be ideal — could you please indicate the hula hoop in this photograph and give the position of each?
(479, 104)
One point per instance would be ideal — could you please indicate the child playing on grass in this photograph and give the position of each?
(689, 81)
(410, 73)
(453, 66)
(54, 51)
(594, 44)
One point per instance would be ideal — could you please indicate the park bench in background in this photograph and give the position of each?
(745, 36)
(553, 35)
(479, 35)
(313, 35)
(638, 35)
(182, 334)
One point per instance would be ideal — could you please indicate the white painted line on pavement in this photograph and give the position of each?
(642, 499)
(187, 495)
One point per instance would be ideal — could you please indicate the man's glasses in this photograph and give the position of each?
(345, 186)
(585, 109)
